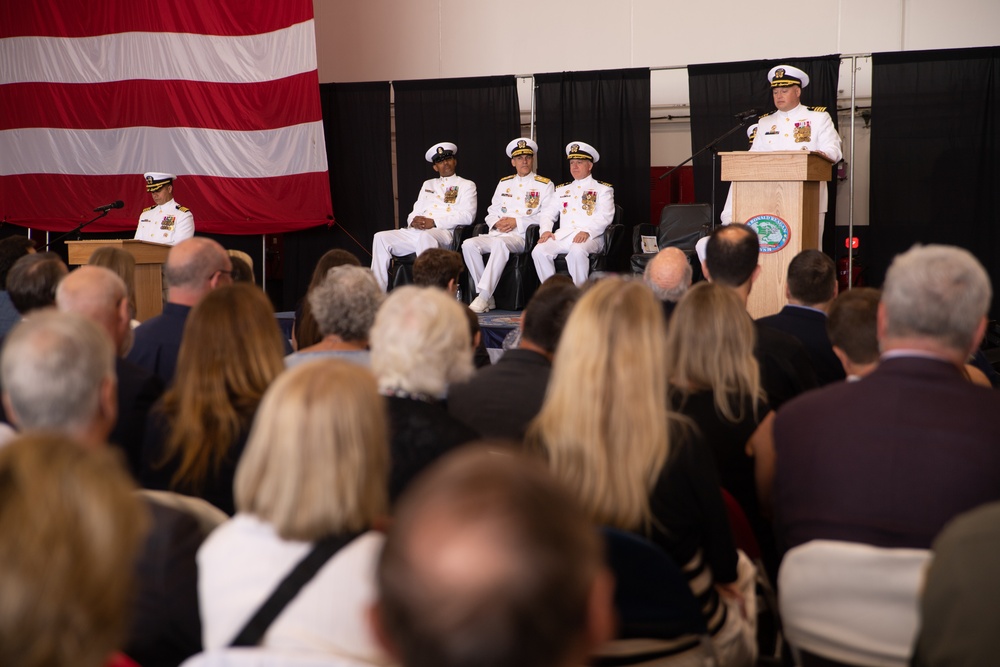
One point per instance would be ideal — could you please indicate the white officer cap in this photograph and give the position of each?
(521, 146)
(578, 150)
(786, 75)
(156, 180)
(441, 151)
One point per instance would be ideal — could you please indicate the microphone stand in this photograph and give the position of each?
(715, 154)
(76, 230)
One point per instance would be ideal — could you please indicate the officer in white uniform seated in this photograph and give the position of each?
(165, 222)
(520, 200)
(443, 204)
(586, 208)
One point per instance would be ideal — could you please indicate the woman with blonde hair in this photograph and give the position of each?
(231, 351)
(715, 381)
(310, 472)
(607, 432)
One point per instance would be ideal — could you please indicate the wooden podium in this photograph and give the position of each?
(149, 260)
(777, 193)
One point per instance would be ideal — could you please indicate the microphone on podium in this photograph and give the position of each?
(108, 207)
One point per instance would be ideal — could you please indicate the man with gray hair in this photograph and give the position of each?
(58, 374)
(668, 274)
(194, 267)
(889, 460)
(100, 295)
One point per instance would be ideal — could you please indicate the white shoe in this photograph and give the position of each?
(479, 305)
(493, 304)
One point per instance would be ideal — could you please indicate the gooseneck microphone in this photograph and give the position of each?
(108, 207)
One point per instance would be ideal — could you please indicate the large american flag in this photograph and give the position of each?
(225, 94)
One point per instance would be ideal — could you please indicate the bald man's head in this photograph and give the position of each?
(194, 267)
(669, 274)
(100, 295)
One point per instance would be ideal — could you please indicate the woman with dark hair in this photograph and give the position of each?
(231, 351)
(305, 330)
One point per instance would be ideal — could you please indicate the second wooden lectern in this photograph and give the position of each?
(776, 193)
(149, 260)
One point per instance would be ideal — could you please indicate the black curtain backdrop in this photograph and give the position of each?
(357, 125)
(934, 156)
(480, 115)
(719, 91)
(608, 109)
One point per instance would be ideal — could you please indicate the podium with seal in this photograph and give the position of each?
(776, 193)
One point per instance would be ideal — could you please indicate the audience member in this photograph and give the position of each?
(438, 267)
(313, 473)
(305, 332)
(731, 259)
(607, 433)
(122, 263)
(715, 381)
(668, 274)
(242, 272)
(71, 529)
(195, 435)
(12, 249)
(419, 346)
(58, 375)
(889, 460)
(500, 400)
(102, 297)
(194, 267)
(959, 599)
(444, 203)
(32, 281)
(344, 307)
(851, 326)
(489, 563)
(811, 288)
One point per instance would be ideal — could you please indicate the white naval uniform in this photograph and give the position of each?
(529, 200)
(576, 215)
(168, 224)
(450, 202)
(803, 129)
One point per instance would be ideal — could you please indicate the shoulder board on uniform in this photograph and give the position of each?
(183, 209)
(605, 183)
(542, 179)
(564, 185)
(816, 108)
(765, 115)
(507, 178)
(149, 208)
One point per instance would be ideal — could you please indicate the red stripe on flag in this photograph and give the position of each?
(215, 106)
(220, 205)
(72, 18)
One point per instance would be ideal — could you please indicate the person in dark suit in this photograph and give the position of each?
(194, 268)
(500, 400)
(811, 288)
(58, 373)
(102, 297)
(890, 459)
(731, 259)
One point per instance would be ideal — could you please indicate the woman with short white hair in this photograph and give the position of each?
(420, 344)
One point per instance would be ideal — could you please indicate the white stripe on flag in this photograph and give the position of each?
(135, 55)
(290, 150)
